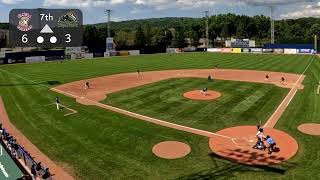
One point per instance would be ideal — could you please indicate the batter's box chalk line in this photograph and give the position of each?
(244, 141)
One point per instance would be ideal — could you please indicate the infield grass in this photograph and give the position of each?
(99, 144)
(242, 103)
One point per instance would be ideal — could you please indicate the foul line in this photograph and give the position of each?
(68, 114)
(288, 96)
(146, 118)
(45, 86)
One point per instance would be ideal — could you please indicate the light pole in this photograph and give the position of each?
(207, 28)
(108, 11)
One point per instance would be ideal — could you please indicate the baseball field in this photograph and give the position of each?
(90, 142)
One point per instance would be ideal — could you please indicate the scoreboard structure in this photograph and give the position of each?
(240, 43)
(45, 28)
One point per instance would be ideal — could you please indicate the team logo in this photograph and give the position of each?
(69, 19)
(24, 19)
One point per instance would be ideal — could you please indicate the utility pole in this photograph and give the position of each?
(207, 28)
(272, 24)
(108, 11)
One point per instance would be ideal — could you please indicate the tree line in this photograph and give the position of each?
(173, 32)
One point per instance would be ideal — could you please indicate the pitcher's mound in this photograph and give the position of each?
(171, 149)
(311, 129)
(197, 95)
(236, 144)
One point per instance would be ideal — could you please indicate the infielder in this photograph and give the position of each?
(87, 86)
(57, 103)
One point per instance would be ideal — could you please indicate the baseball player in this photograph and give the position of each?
(271, 143)
(267, 77)
(259, 134)
(138, 71)
(204, 91)
(57, 103)
(209, 78)
(87, 85)
(282, 80)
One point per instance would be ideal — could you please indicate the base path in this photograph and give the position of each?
(58, 172)
(198, 95)
(101, 86)
(239, 148)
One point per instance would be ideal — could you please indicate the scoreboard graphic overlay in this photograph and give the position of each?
(45, 28)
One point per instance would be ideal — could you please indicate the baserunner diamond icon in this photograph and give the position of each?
(46, 29)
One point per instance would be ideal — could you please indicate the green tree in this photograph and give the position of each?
(90, 37)
(140, 37)
(212, 34)
(148, 34)
(241, 30)
(179, 38)
(121, 38)
(225, 31)
(315, 30)
(169, 37)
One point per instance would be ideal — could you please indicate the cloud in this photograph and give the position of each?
(158, 4)
(166, 4)
(11, 1)
(82, 3)
(304, 11)
(67, 3)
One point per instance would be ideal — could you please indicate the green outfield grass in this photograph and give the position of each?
(98, 144)
(242, 103)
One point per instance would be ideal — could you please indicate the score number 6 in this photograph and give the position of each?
(24, 38)
(68, 38)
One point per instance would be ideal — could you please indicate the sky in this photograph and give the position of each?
(93, 10)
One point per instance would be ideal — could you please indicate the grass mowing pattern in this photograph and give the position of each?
(241, 103)
(98, 144)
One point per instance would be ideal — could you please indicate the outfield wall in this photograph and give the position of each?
(261, 50)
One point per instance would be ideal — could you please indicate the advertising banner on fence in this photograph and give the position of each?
(87, 56)
(278, 51)
(226, 50)
(213, 50)
(236, 50)
(72, 50)
(267, 50)
(290, 51)
(124, 53)
(134, 52)
(245, 50)
(35, 59)
(2, 54)
(171, 50)
(76, 56)
(189, 49)
(305, 51)
(256, 50)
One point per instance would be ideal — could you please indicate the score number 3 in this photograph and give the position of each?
(68, 38)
